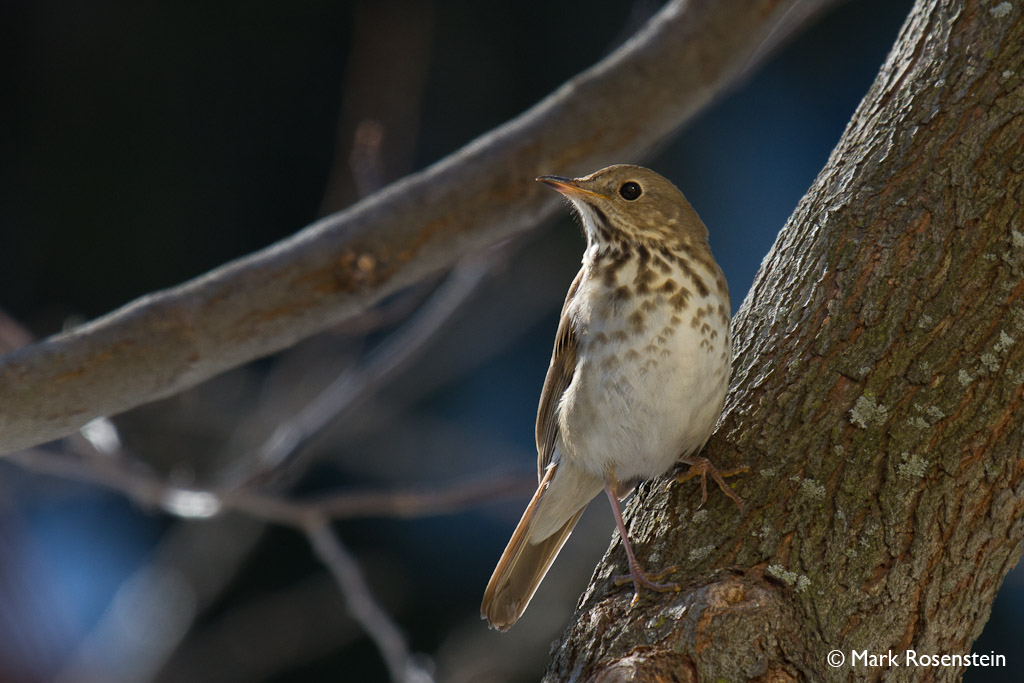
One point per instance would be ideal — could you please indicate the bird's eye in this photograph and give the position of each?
(630, 191)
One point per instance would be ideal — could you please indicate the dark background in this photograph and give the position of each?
(145, 143)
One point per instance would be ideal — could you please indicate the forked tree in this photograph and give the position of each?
(877, 383)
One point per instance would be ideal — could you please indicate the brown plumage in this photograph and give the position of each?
(631, 388)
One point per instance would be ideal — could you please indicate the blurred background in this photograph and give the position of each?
(145, 143)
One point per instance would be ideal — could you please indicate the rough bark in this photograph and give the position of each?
(171, 340)
(877, 397)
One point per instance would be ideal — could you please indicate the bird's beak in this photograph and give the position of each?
(568, 186)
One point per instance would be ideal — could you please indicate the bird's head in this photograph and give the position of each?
(625, 202)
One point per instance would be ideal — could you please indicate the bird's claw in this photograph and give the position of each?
(641, 579)
(703, 468)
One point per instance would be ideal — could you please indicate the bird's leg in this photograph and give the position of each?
(636, 573)
(703, 468)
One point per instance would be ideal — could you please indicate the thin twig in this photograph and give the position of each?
(361, 605)
(410, 503)
(144, 487)
(387, 360)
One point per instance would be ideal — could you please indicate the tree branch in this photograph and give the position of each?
(878, 395)
(264, 302)
(137, 483)
(361, 604)
(389, 359)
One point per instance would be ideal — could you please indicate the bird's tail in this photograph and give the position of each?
(524, 563)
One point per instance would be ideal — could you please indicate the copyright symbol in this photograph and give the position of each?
(836, 658)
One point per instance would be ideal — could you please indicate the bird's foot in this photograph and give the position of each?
(642, 579)
(637, 575)
(703, 468)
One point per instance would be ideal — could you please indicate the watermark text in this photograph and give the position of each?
(912, 658)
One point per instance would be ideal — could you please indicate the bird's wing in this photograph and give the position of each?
(560, 373)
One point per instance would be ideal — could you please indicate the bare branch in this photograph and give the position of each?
(389, 359)
(362, 606)
(167, 341)
(145, 488)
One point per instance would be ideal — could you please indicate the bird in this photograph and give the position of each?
(638, 375)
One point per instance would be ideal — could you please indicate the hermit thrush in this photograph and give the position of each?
(638, 375)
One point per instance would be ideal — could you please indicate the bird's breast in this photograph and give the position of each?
(652, 370)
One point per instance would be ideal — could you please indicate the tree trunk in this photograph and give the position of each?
(877, 399)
